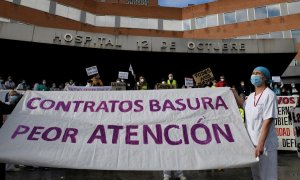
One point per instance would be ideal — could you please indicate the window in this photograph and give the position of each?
(276, 34)
(261, 13)
(138, 2)
(200, 22)
(243, 37)
(273, 10)
(229, 18)
(241, 15)
(296, 34)
(187, 24)
(263, 36)
(212, 20)
(294, 7)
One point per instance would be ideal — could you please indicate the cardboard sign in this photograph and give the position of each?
(203, 77)
(120, 86)
(123, 75)
(91, 70)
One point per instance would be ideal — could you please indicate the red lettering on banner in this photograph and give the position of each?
(283, 131)
(286, 100)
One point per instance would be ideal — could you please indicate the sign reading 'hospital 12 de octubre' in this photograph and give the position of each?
(139, 43)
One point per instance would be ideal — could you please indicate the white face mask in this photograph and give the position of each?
(163, 82)
(222, 79)
(170, 78)
(118, 81)
(142, 80)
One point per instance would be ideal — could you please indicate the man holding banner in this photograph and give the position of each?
(261, 112)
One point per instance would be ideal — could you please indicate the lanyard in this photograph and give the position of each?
(258, 98)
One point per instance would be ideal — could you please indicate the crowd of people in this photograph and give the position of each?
(244, 89)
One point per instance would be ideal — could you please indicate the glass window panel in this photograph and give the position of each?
(263, 36)
(296, 34)
(294, 7)
(273, 10)
(138, 23)
(61, 10)
(243, 37)
(200, 22)
(172, 25)
(241, 15)
(187, 24)
(153, 23)
(212, 20)
(229, 18)
(276, 34)
(261, 13)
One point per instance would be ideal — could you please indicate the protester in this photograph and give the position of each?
(54, 87)
(294, 89)
(9, 84)
(7, 108)
(4, 109)
(89, 83)
(142, 84)
(222, 82)
(172, 82)
(178, 174)
(96, 80)
(276, 89)
(22, 86)
(260, 114)
(2, 86)
(243, 89)
(43, 86)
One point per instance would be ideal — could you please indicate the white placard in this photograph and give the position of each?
(188, 82)
(123, 75)
(284, 125)
(276, 79)
(91, 70)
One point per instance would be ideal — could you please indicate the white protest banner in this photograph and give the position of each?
(177, 129)
(91, 70)
(276, 78)
(188, 82)
(296, 121)
(284, 125)
(203, 76)
(93, 88)
(123, 75)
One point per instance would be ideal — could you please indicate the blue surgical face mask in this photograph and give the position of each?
(13, 99)
(256, 80)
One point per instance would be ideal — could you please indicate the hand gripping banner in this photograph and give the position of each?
(177, 129)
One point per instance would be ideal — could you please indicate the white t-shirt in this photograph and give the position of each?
(266, 108)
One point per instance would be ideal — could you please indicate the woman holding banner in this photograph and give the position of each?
(260, 114)
(4, 109)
